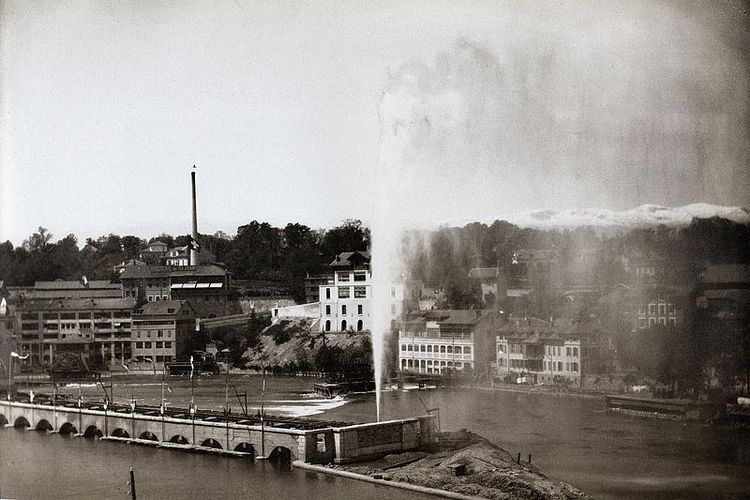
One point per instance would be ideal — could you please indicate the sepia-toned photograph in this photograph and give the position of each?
(340, 249)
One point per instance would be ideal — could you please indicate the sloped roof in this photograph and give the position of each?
(528, 327)
(350, 259)
(149, 271)
(484, 273)
(36, 304)
(726, 273)
(448, 316)
(161, 307)
(74, 285)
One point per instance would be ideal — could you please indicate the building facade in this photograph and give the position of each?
(445, 341)
(345, 300)
(207, 287)
(42, 324)
(161, 330)
(535, 351)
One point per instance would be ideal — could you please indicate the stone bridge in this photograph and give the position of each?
(278, 438)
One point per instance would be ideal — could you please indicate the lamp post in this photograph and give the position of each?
(106, 423)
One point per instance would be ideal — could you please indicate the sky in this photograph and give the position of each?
(302, 111)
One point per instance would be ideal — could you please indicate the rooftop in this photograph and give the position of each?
(351, 259)
(75, 285)
(449, 316)
(726, 273)
(89, 304)
(484, 273)
(162, 307)
(149, 271)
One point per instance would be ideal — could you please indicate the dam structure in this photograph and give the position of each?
(283, 439)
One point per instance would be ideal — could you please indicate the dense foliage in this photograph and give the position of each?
(259, 251)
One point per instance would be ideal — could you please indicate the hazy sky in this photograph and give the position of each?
(293, 111)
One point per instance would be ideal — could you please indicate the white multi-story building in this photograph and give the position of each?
(546, 352)
(440, 341)
(346, 298)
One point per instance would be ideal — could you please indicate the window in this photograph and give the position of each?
(147, 345)
(422, 348)
(360, 325)
(442, 349)
(672, 321)
(343, 292)
(343, 325)
(652, 309)
(360, 292)
(410, 347)
(642, 323)
(393, 291)
(343, 276)
(559, 366)
(651, 321)
(167, 345)
(467, 350)
(663, 321)
(403, 347)
(575, 352)
(403, 363)
(158, 333)
(159, 345)
(449, 349)
(328, 325)
(328, 293)
(343, 309)
(574, 367)
(360, 276)
(429, 348)
(359, 309)
(670, 308)
(150, 298)
(328, 310)
(662, 309)
(567, 351)
(393, 309)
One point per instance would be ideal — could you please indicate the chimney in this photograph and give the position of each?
(194, 234)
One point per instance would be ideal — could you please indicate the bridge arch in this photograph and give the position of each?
(21, 423)
(281, 455)
(211, 443)
(179, 439)
(148, 435)
(246, 448)
(93, 431)
(67, 428)
(120, 433)
(44, 426)
(3, 420)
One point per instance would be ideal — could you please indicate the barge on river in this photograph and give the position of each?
(677, 409)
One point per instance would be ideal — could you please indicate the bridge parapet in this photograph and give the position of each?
(316, 445)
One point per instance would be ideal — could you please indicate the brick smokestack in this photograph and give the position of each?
(193, 250)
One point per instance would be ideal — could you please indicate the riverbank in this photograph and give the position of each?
(461, 465)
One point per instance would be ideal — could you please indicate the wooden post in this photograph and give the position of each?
(132, 484)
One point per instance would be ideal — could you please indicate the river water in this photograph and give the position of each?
(569, 438)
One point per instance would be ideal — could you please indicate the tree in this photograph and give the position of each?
(38, 241)
(350, 236)
(131, 246)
